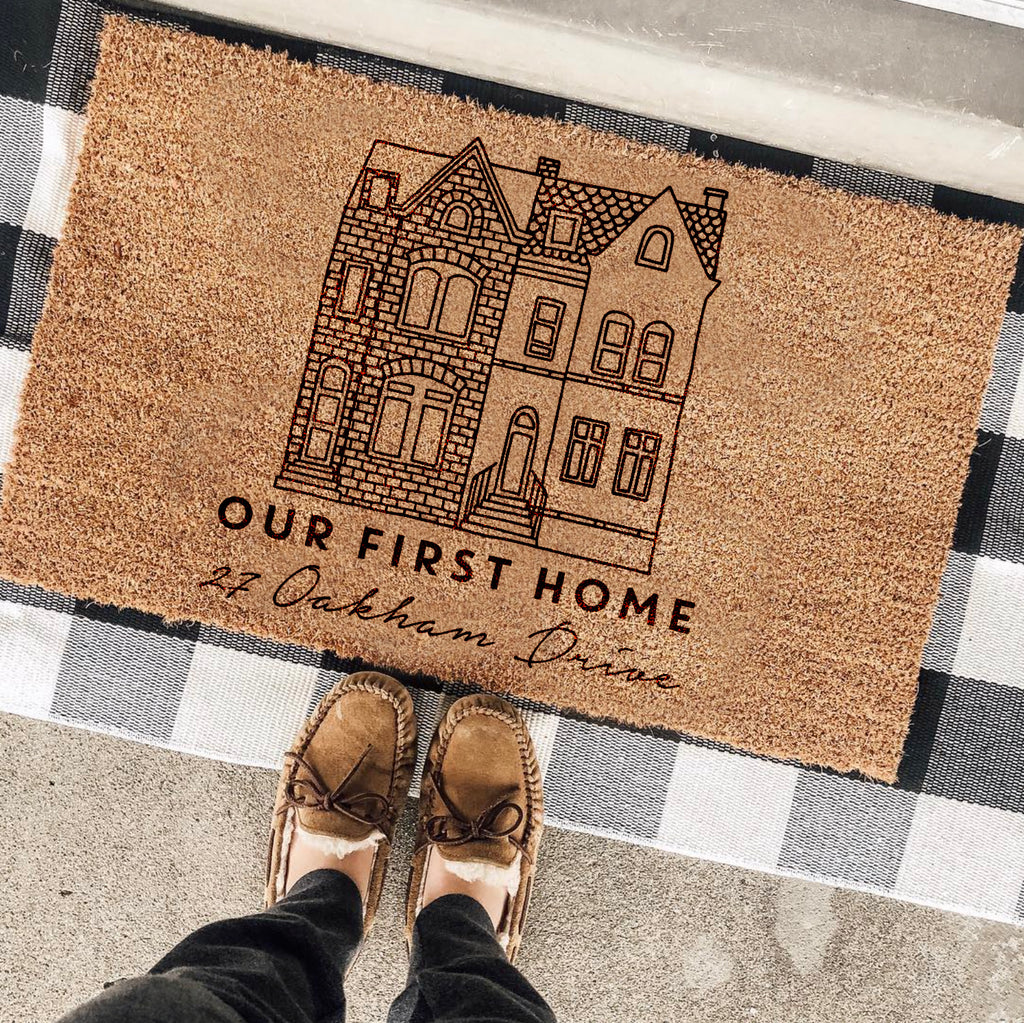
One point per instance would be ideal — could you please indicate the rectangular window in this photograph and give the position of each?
(637, 459)
(428, 436)
(353, 288)
(391, 428)
(584, 451)
(544, 327)
(612, 345)
(377, 190)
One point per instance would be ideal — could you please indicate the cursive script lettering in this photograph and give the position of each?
(559, 644)
(300, 587)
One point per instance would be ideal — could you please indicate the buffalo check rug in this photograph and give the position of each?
(949, 833)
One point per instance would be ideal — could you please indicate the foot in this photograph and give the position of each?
(343, 786)
(304, 856)
(480, 821)
(439, 880)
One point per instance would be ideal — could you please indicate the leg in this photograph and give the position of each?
(477, 837)
(459, 971)
(283, 965)
(340, 794)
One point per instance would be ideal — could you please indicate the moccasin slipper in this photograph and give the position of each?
(481, 808)
(346, 778)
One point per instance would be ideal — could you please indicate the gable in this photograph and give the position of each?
(474, 155)
(700, 223)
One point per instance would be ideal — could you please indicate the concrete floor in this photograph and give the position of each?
(115, 850)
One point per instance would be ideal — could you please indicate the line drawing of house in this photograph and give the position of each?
(491, 351)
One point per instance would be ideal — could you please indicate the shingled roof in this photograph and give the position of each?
(605, 212)
(705, 224)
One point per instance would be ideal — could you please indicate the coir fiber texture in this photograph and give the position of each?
(502, 400)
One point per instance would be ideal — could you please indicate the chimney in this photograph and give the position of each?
(714, 198)
(548, 168)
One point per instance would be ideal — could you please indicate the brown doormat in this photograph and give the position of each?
(502, 400)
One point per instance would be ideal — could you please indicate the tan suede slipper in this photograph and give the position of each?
(346, 778)
(481, 808)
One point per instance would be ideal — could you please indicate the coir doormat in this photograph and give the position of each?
(502, 400)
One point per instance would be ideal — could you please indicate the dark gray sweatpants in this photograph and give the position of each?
(285, 965)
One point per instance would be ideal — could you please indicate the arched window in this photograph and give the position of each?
(613, 342)
(652, 359)
(412, 419)
(334, 377)
(655, 248)
(325, 421)
(440, 298)
(420, 296)
(457, 217)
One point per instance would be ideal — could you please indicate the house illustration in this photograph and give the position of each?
(505, 352)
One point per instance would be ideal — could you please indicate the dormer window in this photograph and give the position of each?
(563, 230)
(655, 249)
(457, 217)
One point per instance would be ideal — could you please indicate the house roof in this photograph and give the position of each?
(473, 153)
(607, 212)
(413, 166)
(416, 169)
(525, 198)
(705, 225)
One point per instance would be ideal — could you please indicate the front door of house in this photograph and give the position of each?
(517, 456)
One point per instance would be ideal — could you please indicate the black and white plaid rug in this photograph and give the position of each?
(950, 833)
